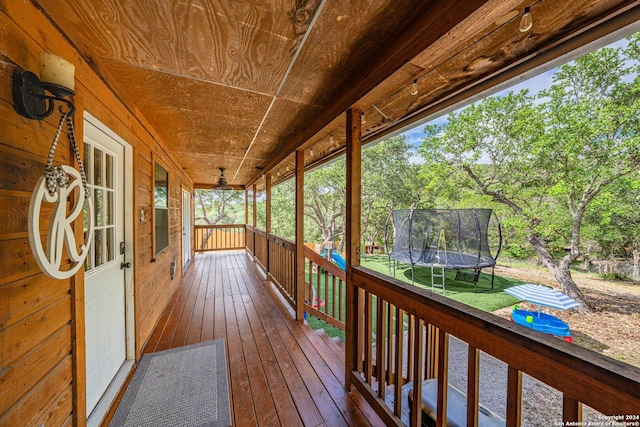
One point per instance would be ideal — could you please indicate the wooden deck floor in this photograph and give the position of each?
(281, 372)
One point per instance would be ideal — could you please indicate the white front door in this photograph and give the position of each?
(186, 228)
(105, 325)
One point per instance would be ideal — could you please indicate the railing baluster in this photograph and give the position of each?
(514, 397)
(343, 294)
(368, 337)
(473, 383)
(411, 345)
(389, 373)
(380, 346)
(318, 282)
(571, 410)
(326, 292)
(443, 377)
(398, 362)
(416, 408)
(432, 352)
(335, 299)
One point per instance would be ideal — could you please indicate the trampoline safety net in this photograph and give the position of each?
(449, 238)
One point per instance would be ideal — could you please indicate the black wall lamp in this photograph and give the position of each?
(30, 98)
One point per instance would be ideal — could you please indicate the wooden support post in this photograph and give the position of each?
(267, 224)
(255, 206)
(254, 219)
(299, 256)
(352, 239)
(246, 206)
(267, 187)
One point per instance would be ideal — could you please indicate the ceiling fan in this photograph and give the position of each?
(222, 182)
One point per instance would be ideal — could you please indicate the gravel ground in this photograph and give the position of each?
(541, 404)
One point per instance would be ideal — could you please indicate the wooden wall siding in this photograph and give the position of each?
(37, 348)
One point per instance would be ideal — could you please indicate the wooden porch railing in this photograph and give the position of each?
(325, 281)
(282, 267)
(402, 335)
(328, 283)
(276, 256)
(250, 239)
(261, 248)
(219, 237)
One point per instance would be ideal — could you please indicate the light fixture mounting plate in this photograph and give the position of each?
(28, 96)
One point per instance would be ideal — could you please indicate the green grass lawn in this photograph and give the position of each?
(487, 300)
(313, 321)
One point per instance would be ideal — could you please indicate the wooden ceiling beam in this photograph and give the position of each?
(441, 18)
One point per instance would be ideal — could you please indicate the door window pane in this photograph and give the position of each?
(109, 171)
(98, 201)
(100, 167)
(97, 166)
(109, 208)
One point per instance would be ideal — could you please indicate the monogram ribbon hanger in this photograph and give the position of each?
(56, 187)
(55, 175)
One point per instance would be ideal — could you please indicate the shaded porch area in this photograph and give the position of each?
(281, 372)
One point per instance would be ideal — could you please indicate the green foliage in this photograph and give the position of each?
(324, 206)
(219, 207)
(517, 251)
(389, 180)
(614, 276)
(612, 225)
(562, 164)
(261, 210)
(283, 209)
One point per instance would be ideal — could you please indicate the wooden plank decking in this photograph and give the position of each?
(281, 372)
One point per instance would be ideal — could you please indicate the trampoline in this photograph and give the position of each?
(443, 239)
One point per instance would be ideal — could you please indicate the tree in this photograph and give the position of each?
(547, 157)
(613, 225)
(325, 195)
(215, 206)
(389, 181)
(283, 209)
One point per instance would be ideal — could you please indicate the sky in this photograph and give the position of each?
(534, 84)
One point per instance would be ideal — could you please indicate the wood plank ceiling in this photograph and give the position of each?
(242, 84)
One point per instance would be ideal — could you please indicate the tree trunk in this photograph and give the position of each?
(561, 273)
(635, 271)
(569, 287)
